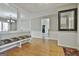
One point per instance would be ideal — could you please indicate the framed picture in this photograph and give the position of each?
(67, 20)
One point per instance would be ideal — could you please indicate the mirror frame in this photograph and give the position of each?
(75, 19)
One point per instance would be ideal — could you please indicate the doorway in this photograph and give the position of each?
(45, 27)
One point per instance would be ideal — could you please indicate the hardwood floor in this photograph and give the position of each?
(37, 48)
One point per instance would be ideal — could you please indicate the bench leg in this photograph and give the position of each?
(20, 45)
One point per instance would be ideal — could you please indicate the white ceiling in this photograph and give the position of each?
(39, 9)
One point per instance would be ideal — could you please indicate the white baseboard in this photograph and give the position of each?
(64, 45)
(38, 34)
(45, 38)
(75, 47)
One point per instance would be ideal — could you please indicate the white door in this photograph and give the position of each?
(45, 21)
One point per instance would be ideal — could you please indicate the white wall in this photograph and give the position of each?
(78, 29)
(53, 22)
(36, 27)
(23, 22)
(36, 24)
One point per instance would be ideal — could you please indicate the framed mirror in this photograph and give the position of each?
(67, 20)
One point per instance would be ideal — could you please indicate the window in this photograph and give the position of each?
(0, 26)
(5, 26)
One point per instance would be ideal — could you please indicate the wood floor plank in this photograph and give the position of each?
(37, 48)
